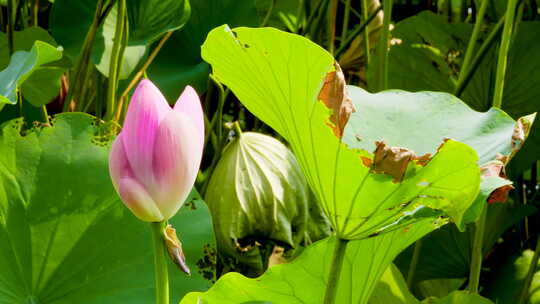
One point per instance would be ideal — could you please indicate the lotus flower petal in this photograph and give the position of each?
(133, 194)
(177, 156)
(146, 109)
(189, 104)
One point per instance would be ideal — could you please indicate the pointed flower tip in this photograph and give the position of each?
(189, 104)
(187, 99)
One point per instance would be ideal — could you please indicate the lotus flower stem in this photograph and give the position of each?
(115, 63)
(345, 25)
(414, 263)
(355, 32)
(45, 115)
(269, 13)
(331, 23)
(482, 51)
(78, 81)
(503, 53)
(382, 72)
(477, 253)
(160, 263)
(335, 271)
(530, 273)
(472, 42)
(366, 30)
(10, 24)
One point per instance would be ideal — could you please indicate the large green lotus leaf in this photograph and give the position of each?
(171, 70)
(22, 64)
(148, 20)
(427, 118)
(66, 237)
(22, 41)
(420, 121)
(278, 77)
(392, 289)
(506, 284)
(44, 83)
(446, 252)
(429, 55)
(304, 279)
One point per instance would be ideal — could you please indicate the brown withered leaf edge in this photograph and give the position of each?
(497, 168)
(174, 248)
(335, 96)
(393, 160)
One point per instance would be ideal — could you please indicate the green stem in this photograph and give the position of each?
(382, 73)
(45, 115)
(299, 16)
(414, 263)
(331, 19)
(114, 63)
(78, 81)
(335, 271)
(237, 129)
(313, 16)
(460, 87)
(10, 25)
(503, 53)
(472, 42)
(160, 263)
(35, 12)
(366, 30)
(345, 26)
(269, 13)
(477, 253)
(317, 27)
(343, 47)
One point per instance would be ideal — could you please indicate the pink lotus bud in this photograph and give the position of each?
(155, 159)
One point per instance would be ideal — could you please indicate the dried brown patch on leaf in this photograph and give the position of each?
(496, 168)
(368, 162)
(391, 160)
(394, 160)
(423, 160)
(334, 95)
(174, 248)
(521, 132)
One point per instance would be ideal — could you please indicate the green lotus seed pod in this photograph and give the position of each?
(259, 198)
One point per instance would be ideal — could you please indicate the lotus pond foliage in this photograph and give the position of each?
(269, 151)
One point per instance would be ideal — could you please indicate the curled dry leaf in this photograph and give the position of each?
(521, 131)
(334, 95)
(496, 168)
(394, 160)
(174, 248)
